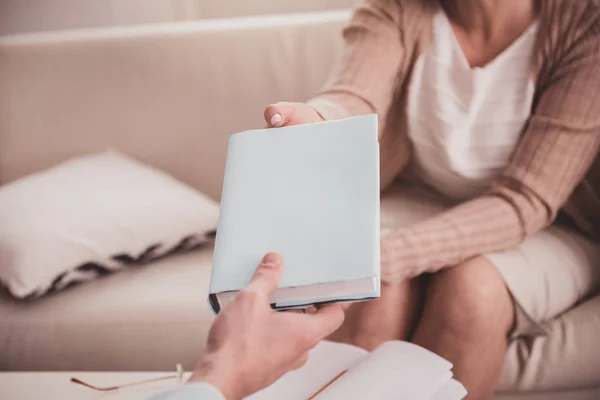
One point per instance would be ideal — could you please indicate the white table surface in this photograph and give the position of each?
(57, 385)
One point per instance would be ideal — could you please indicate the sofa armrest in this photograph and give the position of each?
(167, 94)
(567, 358)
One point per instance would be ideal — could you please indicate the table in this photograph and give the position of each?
(57, 385)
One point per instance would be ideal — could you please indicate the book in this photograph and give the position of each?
(393, 371)
(311, 193)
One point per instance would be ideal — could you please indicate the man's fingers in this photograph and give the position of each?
(299, 363)
(279, 114)
(325, 320)
(295, 311)
(267, 275)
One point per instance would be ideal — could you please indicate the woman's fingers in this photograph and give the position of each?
(287, 114)
(279, 114)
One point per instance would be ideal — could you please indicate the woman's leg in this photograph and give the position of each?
(391, 317)
(467, 316)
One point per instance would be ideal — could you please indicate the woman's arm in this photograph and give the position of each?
(365, 80)
(560, 142)
(379, 41)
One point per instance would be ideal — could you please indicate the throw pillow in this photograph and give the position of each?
(91, 216)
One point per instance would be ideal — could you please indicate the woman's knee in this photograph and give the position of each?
(471, 298)
(391, 317)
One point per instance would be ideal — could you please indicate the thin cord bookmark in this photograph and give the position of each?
(338, 376)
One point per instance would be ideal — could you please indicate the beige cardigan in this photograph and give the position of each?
(555, 166)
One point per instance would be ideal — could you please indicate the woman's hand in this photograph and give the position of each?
(288, 114)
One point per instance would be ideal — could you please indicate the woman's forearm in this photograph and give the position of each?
(483, 225)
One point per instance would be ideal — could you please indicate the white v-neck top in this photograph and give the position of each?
(464, 123)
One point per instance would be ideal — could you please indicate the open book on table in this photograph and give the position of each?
(393, 371)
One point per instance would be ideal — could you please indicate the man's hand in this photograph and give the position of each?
(250, 346)
(288, 114)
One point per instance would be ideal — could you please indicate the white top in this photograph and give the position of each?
(465, 122)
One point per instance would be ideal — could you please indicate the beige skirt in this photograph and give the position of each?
(547, 274)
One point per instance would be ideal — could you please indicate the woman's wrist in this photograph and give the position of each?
(398, 259)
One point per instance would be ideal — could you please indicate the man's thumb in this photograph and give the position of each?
(267, 275)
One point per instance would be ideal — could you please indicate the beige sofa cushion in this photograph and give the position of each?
(140, 319)
(568, 357)
(228, 9)
(168, 95)
(18, 16)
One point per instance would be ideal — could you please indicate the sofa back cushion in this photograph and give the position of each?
(20, 16)
(227, 9)
(169, 95)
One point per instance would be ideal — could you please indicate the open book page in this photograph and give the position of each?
(452, 390)
(325, 361)
(393, 371)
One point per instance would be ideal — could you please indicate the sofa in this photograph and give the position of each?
(18, 16)
(170, 95)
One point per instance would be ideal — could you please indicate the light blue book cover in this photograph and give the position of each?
(311, 193)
